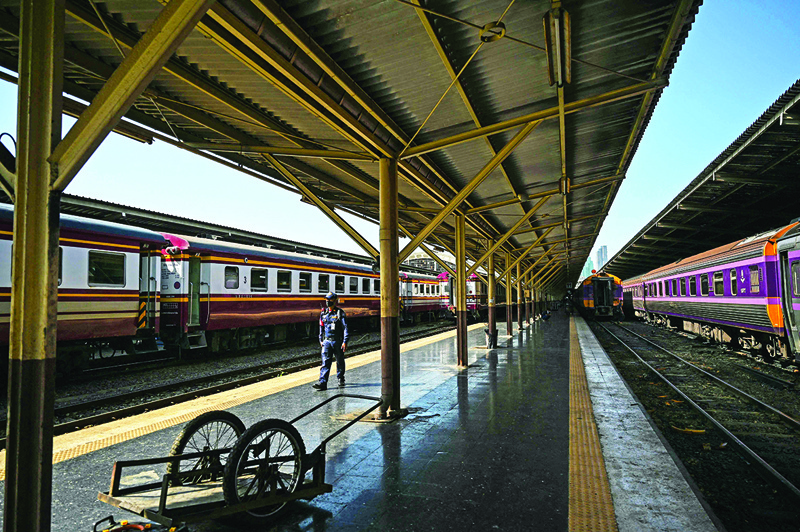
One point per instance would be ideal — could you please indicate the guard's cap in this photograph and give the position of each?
(331, 295)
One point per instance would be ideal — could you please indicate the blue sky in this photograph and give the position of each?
(740, 56)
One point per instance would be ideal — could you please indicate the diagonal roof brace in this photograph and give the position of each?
(521, 135)
(525, 252)
(507, 235)
(430, 253)
(167, 32)
(335, 218)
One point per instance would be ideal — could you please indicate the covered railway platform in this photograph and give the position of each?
(538, 434)
(493, 129)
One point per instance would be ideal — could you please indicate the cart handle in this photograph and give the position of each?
(378, 402)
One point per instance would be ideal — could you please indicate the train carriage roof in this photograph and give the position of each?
(98, 226)
(745, 248)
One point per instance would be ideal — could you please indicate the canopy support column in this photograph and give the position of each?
(509, 298)
(34, 285)
(520, 296)
(461, 290)
(390, 291)
(492, 296)
(528, 303)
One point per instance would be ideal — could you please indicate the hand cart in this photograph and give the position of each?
(216, 468)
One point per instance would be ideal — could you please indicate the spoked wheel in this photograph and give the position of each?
(265, 462)
(213, 430)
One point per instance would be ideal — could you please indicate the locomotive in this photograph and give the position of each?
(746, 293)
(600, 296)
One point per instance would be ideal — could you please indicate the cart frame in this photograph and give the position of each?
(172, 516)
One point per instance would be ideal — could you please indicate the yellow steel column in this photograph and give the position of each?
(509, 298)
(461, 291)
(492, 296)
(520, 296)
(34, 285)
(528, 301)
(390, 291)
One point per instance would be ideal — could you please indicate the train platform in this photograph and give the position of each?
(538, 434)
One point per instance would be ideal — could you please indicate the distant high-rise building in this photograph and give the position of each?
(587, 268)
(602, 256)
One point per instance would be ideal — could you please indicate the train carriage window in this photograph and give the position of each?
(415, 289)
(660, 288)
(339, 284)
(755, 277)
(796, 278)
(284, 281)
(353, 285)
(323, 283)
(704, 285)
(719, 284)
(692, 285)
(376, 286)
(106, 269)
(305, 282)
(365, 286)
(258, 280)
(734, 288)
(674, 287)
(60, 263)
(231, 277)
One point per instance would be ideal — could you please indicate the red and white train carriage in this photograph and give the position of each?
(108, 288)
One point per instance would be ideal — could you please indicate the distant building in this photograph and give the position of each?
(602, 256)
(420, 259)
(587, 268)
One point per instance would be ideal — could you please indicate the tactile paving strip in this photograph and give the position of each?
(591, 507)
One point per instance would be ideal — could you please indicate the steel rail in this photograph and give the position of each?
(795, 424)
(773, 475)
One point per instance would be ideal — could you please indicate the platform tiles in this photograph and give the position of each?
(649, 491)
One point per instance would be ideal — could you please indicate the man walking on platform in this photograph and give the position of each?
(333, 340)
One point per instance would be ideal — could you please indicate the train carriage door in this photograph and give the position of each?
(790, 290)
(149, 276)
(194, 291)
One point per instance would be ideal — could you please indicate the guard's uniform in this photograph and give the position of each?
(332, 334)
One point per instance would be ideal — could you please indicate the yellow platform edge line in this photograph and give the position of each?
(591, 507)
(91, 439)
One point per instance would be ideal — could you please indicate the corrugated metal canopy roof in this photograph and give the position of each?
(749, 188)
(363, 76)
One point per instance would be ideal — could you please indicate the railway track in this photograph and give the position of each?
(767, 437)
(188, 389)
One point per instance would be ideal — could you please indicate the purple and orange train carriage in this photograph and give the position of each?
(746, 293)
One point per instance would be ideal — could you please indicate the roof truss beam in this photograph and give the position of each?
(276, 150)
(572, 107)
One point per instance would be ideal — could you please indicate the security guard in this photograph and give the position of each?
(333, 339)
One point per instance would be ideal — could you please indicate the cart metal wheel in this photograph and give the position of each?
(213, 430)
(265, 461)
